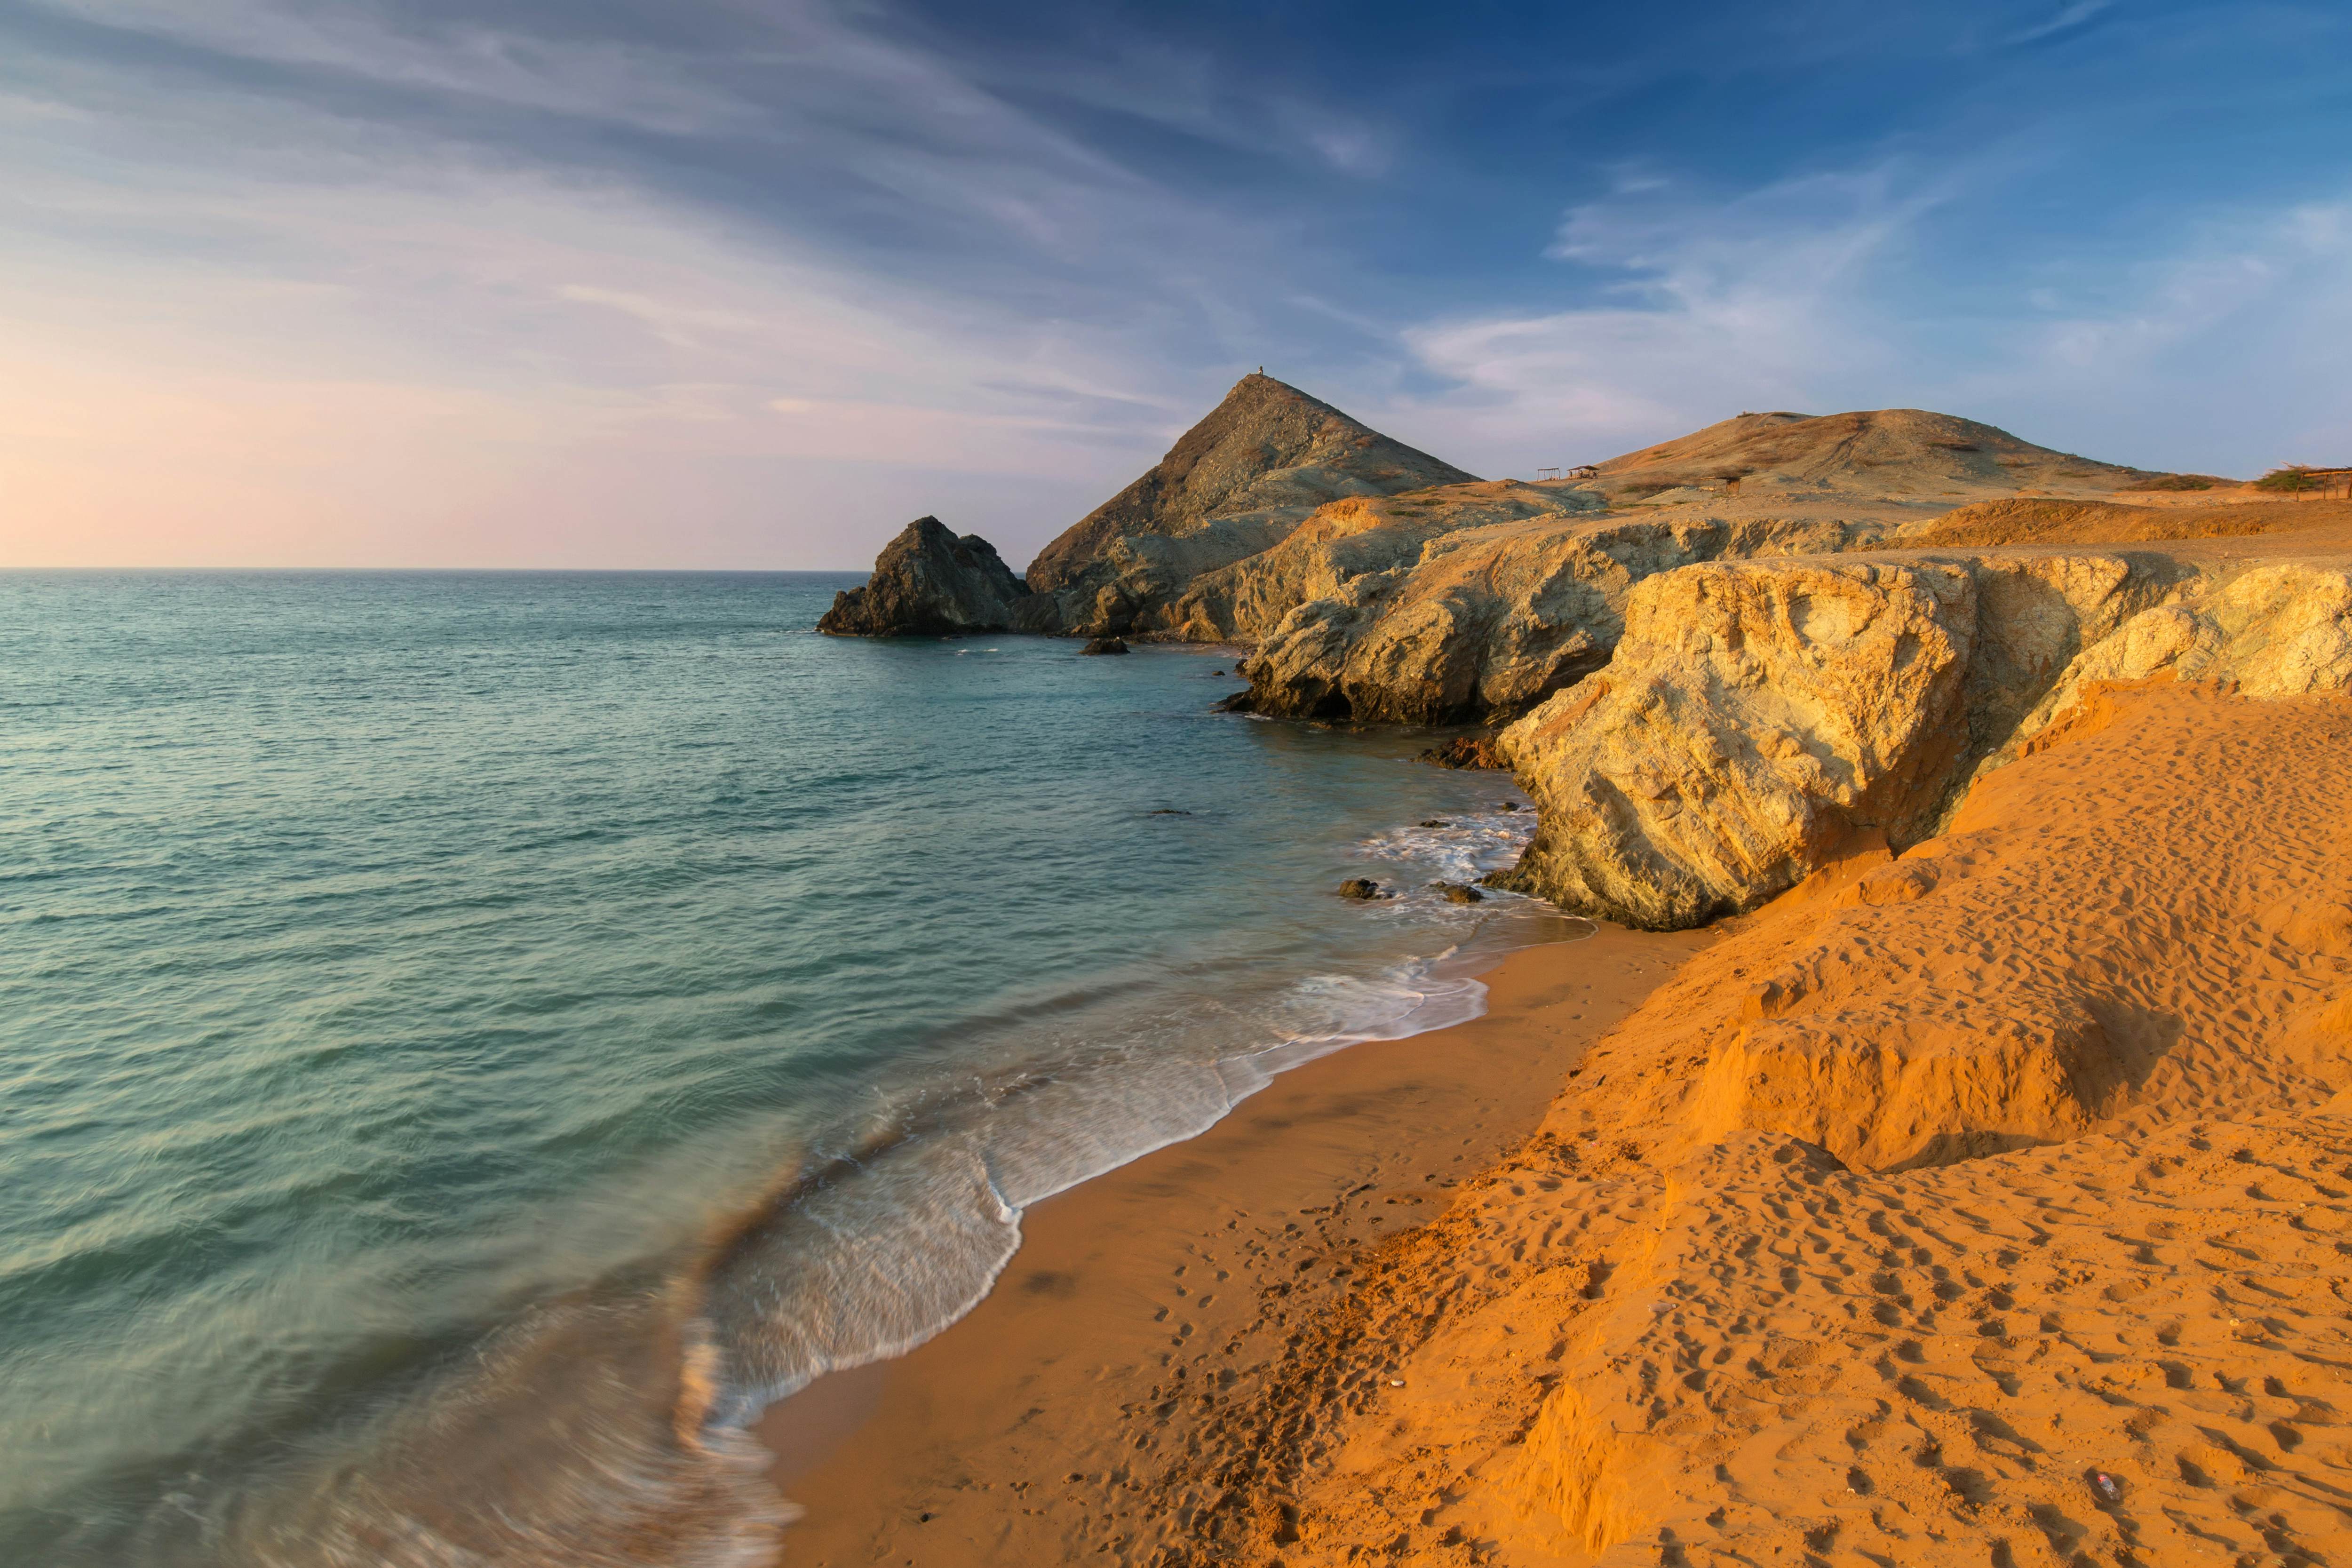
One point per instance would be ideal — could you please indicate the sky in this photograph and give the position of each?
(750, 283)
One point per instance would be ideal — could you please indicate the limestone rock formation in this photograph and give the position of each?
(1754, 716)
(1480, 622)
(1347, 539)
(931, 582)
(1760, 712)
(2281, 629)
(1233, 485)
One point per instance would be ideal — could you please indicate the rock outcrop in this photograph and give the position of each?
(1759, 714)
(1232, 486)
(1479, 622)
(1754, 717)
(2281, 629)
(931, 582)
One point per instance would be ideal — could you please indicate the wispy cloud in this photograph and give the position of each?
(2072, 16)
(1763, 299)
(643, 85)
(2214, 355)
(213, 249)
(465, 280)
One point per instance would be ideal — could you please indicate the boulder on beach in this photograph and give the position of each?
(1458, 892)
(1360, 888)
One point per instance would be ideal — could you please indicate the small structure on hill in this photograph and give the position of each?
(2303, 479)
(1584, 471)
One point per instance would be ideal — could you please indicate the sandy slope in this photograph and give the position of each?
(2036, 520)
(1674, 1328)
(1034, 1430)
(1989, 1205)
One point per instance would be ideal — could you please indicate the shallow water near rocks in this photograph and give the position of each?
(470, 1041)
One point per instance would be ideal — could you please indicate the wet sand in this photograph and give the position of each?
(1021, 1435)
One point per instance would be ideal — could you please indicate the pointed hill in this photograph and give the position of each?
(1268, 448)
(1886, 452)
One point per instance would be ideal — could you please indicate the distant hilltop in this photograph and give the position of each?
(1885, 452)
(1268, 449)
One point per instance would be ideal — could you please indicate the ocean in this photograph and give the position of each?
(468, 1042)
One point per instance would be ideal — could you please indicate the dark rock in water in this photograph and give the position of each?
(1104, 645)
(931, 582)
(1216, 672)
(1459, 893)
(1435, 821)
(1167, 811)
(1466, 752)
(1360, 888)
(1510, 806)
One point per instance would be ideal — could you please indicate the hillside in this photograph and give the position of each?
(2032, 520)
(1268, 448)
(1892, 452)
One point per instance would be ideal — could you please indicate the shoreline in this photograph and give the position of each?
(1125, 1280)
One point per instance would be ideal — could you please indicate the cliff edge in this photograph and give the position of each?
(1758, 713)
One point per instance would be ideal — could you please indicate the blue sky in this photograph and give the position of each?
(747, 283)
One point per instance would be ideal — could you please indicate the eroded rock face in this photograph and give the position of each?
(2278, 630)
(1758, 712)
(931, 582)
(1755, 715)
(1479, 622)
(1233, 485)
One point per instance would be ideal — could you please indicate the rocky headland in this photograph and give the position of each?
(1713, 661)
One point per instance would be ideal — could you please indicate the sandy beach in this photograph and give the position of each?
(1742, 1296)
(1027, 1431)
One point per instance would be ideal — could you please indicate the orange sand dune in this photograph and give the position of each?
(1992, 1204)
(1674, 1328)
(2044, 520)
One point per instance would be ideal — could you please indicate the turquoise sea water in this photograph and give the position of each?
(468, 1041)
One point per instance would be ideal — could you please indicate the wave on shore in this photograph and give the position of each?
(612, 1426)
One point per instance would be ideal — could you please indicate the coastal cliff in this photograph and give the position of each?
(1708, 694)
(1758, 714)
(1462, 620)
